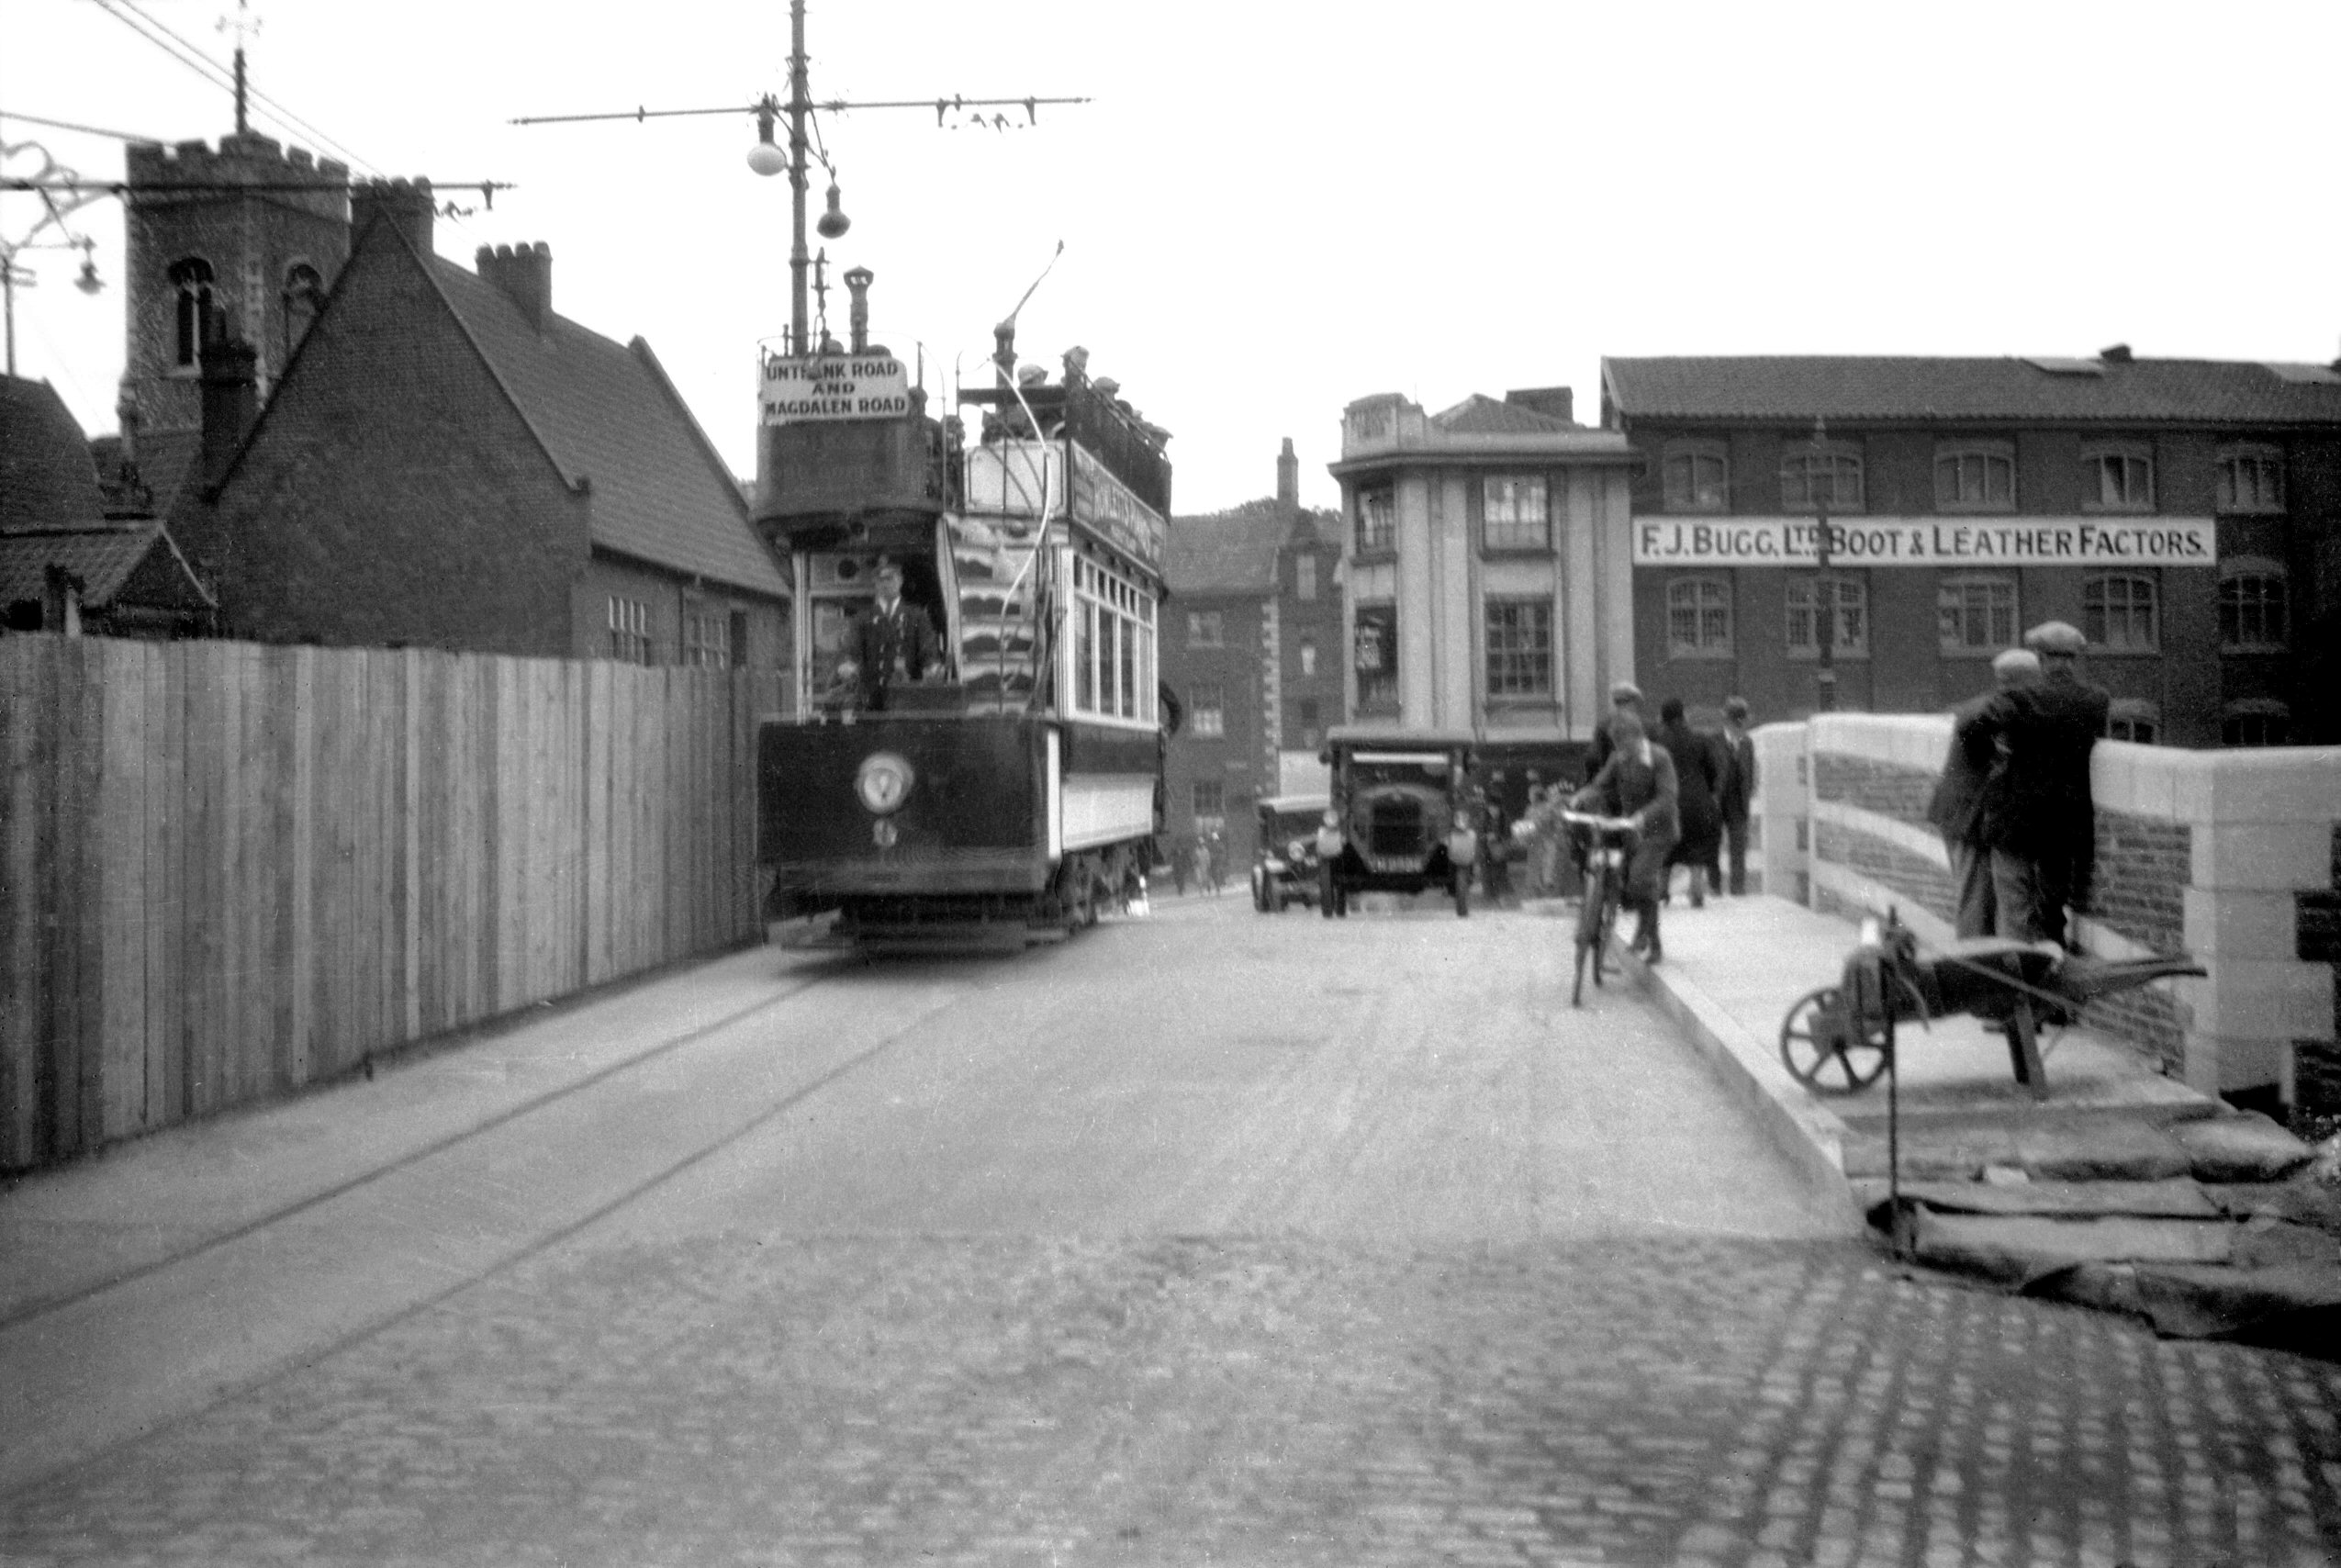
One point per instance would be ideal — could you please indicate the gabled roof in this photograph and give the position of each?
(608, 420)
(1480, 414)
(47, 477)
(1798, 388)
(1235, 551)
(608, 417)
(105, 558)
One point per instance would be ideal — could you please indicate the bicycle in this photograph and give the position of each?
(1605, 858)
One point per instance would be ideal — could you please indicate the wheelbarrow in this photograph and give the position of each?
(1838, 1039)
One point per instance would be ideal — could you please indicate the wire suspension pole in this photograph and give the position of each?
(799, 107)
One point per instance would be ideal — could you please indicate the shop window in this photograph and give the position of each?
(1514, 515)
(1699, 617)
(1849, 610)
(1976, 614)
(1520, 648)
(1696, 475)
(2251, 479)
(2117, 478)
(1811, 479)
(1976, 476)
(1377, 520)
(2119, 614)
(2254, 605)
(2133, 720)
(1376, 657)
(2255, 723)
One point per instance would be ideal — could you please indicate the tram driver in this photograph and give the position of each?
(894, 642)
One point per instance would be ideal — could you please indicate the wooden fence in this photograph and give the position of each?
(229, 870)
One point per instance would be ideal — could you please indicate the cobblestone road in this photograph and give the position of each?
(1178, 1401)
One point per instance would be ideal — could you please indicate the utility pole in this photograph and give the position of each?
(1824, 591)
(766, 158)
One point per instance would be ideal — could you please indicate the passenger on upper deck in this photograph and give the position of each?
(894, 644)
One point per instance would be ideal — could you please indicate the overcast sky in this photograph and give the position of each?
(1270, 209)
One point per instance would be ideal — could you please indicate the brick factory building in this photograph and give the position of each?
(1250, 647)
(2184, 514)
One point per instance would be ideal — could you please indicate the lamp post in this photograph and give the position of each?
(1824, 591)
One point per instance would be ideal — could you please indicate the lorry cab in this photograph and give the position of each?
(1401, 804)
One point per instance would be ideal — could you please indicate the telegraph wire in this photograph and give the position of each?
(282, 115)
(69, 125)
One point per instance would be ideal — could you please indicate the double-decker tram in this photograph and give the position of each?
(1005, 782)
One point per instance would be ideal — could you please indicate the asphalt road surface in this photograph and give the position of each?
(1206, 1238)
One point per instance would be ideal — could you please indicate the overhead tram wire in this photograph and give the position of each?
(211, 71)
(69, 125)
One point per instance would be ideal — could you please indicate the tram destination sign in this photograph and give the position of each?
(2105, 540)
(799, 390)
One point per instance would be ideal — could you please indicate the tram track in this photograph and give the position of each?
(159, 1343)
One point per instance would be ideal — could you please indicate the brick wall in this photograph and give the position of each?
(2232, 856)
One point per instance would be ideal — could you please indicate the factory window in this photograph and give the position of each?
(1699, 617)
(707, 639)
(2254, 605)
(1377, 520)
(1975, 615)
(1976, 476)
(1206, 711)
(1849, 610)
(191, 280)
(1810, 479)
(2117, 478)
(2133, 720)
(1696, 475)
(1520, 647)
(2251, 478)
(1377, 656)
(2119, 614)
(1513, 516)
(629, 631)
(2255, 722)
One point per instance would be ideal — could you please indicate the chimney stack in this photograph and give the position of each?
(857, 281)
(1288, 479)
(523, 275)
(231, 395)
(406, 203)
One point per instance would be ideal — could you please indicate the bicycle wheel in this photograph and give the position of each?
(1605, 926)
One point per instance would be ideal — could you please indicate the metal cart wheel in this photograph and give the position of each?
(1822, 1048)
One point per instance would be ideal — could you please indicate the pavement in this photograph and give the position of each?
(2119, 1190)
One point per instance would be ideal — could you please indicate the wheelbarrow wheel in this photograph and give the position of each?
(1821, 1048)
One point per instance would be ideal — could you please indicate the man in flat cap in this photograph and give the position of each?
(1957, 808)
(1624, 698)
(2075, 716)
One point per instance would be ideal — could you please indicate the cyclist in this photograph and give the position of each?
(1638, 782)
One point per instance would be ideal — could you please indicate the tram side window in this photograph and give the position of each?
(1113, 650)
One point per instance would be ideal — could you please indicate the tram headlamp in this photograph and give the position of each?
(884, 781)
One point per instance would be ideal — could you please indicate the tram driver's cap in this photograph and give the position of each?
(2009, 661)
(2055, 637)
(1625, 692)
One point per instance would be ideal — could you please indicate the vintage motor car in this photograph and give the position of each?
(1402, 805)
(1284, 867)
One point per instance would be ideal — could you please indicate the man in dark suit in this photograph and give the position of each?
(1738, 789)
(2076, 711)
(894, 644)
(1957, 808)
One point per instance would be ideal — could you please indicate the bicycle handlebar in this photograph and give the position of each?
(1601, 824)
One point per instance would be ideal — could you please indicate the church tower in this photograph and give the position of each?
(255, 231)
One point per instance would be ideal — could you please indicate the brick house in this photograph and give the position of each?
(66, 565)
(446, 462)
(2183, 513)
(1250, 647)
